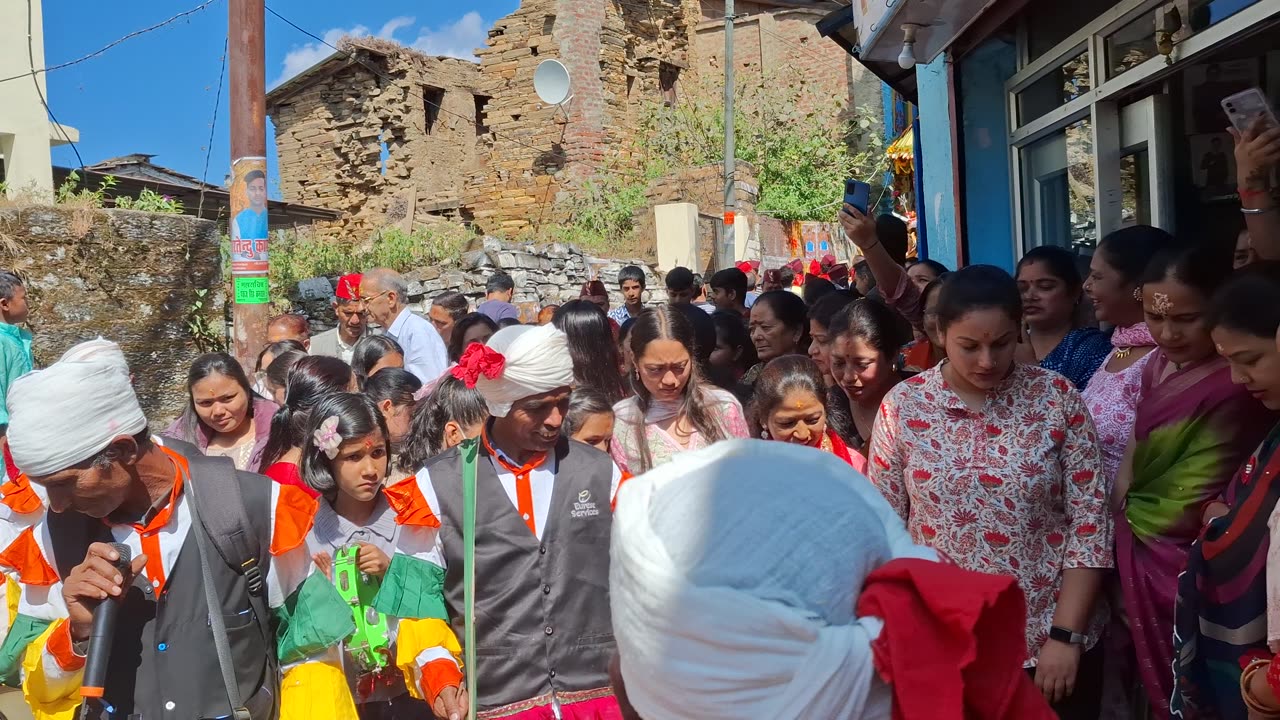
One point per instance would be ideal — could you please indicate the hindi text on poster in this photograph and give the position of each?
(249, 228)
(252, 290)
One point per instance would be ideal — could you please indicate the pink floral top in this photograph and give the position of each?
(1015, 488)
(1112, 398)
(625, 447)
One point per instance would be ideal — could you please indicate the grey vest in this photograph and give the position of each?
(542, 608)
(163, 665)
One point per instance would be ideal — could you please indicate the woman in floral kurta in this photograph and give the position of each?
(996, 465)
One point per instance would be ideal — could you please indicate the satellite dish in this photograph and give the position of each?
(551, 82)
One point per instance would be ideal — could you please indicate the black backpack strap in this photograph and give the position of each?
(221, 509)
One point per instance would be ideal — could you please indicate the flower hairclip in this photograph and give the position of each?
(327, 438)
(476, 361)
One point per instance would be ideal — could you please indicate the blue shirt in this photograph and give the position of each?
(424, 352)
(498, 310)
(1079, 355)
(251, 225)
(15, 361)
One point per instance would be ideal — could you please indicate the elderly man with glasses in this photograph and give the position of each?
(385, 295)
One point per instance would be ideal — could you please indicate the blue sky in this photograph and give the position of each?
(155, 93)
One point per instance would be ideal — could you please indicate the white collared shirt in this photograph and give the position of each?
(424, 352)
(542, 482)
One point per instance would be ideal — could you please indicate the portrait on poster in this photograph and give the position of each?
(249, 228)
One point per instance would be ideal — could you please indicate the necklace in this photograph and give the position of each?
(1124, 352)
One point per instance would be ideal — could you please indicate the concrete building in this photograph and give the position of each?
(1058, 123)
(26, 133)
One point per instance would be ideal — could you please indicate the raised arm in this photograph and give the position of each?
(1257, 154)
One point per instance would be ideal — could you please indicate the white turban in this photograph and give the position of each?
(734, 575)
(535, 360)
(98, 348)
(70, 411)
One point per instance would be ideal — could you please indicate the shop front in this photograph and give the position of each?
(1062, 122)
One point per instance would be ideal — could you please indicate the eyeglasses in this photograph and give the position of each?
(366, 299)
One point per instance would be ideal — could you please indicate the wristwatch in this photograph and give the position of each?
(1064, 635)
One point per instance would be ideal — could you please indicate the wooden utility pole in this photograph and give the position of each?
(247, 82)
(725, 253)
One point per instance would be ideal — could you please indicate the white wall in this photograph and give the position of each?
(25, 130)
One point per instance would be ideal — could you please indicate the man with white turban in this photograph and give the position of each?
(542, 503)
(744, 589)
(78, 432)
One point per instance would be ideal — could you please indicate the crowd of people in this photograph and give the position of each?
(897, 491)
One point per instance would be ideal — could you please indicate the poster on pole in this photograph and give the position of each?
(249, 231)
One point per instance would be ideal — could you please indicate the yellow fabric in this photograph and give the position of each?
(415, 636)
(11, 592)
(316, 691)
(42, 697)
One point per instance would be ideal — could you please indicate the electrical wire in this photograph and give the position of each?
(31, 56)
(110, 45)
(208, 150)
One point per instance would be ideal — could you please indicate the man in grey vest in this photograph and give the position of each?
(78, 432)
(543, 503)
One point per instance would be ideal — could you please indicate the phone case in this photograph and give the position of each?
(857, 194)
(1244, 107)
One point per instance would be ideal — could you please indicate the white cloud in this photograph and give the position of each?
(388, 31)
(458, 39)
(304, 56)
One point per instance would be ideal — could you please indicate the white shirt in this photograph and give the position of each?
(542, 482)
(424, 352)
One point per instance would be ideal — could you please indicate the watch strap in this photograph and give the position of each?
(1064, 635)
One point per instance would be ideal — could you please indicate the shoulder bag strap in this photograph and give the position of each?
(468, 452)
(221, 643)
(227, 521)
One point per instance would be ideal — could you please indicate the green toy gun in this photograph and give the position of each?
(369, 645)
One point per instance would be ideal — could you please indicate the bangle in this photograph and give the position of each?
(1251, 702)
(1257, 211)
(865, 249)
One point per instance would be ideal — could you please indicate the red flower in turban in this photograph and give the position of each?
(476, 361)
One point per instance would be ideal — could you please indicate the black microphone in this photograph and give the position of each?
(104, 629)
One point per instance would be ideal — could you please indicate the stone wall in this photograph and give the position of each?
(129, 276)
(543, 275)
(615, 53)
(333, 128)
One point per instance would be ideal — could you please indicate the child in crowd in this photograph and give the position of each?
(15, 342)
(590, 418)
(358, 531)
(395, 391)
(450, 414)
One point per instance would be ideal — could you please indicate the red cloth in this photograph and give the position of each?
(286, 473)
(348, 287)
(953, 643)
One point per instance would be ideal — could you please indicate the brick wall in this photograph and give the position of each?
(772, 39)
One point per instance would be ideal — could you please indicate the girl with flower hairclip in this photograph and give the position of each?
(361, 543)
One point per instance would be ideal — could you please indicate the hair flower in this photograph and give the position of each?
(476, 361)
(327, 438)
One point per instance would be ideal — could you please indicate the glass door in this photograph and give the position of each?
(1134, 185)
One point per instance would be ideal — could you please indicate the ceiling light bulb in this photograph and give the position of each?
(907, 58)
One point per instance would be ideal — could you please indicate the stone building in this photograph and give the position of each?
(773, 36)
(370, 144)
(380, 132)
(620, 55)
